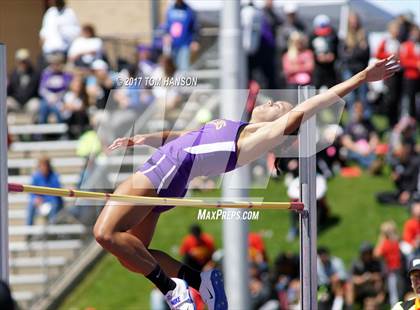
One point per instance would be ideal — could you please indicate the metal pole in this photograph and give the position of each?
(308, 218)
(154, 13)
(4, 216)
(235, 184)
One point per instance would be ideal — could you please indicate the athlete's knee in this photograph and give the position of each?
(102, 235)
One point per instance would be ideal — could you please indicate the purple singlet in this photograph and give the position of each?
(208, 151)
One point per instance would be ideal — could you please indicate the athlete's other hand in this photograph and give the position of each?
(382, 69)
(126, 142)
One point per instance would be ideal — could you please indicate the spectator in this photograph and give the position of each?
(388, 248)
(405, 22)
(403, 132)
(411, 232)
(6, 299)
(354, 56)
(360, 139)
(197, 248)
(367, 285)
(291, 24)
(75, 105)
(100, 84)
(251, 20)
(267, 48)
(391, 46)
(405, 174)
(44, 204)
(332, 278)
(324, 43)
(256, 251)
(54, 84)
(144, 60)
(410, 62)
(259, 286)
(181, 30)
(22, 89)
(414, 274)
(59, 28)
(298, 61)
(86, 49)
(167, 97)
(286, 278)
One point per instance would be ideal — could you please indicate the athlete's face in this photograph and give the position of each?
(270, 111)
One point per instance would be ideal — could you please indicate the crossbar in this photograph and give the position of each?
(143, 200)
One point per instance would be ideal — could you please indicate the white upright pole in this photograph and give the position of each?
(4, 216)
(308, 218)
(235, 184)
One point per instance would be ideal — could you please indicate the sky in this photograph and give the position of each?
(400, 6)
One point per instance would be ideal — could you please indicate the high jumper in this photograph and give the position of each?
(126, 230)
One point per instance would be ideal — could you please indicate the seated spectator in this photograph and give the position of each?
(298, 61)
(405, 174)
(332, 278)
(388, 248)
(74, 110)
(22, 89)
(54, 83)
(256, 251)
(259, 287)
(286, 278)
(403, 132)
(197, 248)
(166, 97)
(367, 285)
(360, 139)
(45, 205)
(86, 49)
(411, 231)
(144, 60)
(100, 84)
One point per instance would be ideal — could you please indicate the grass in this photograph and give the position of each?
(352, 201)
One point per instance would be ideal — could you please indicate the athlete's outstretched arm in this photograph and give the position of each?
(155, 139)
(273, 133)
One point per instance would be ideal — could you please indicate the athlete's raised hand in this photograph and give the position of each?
(382, 69)
(127, 142)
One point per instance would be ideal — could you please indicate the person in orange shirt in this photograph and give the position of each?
(389, 249)
(411, 233)
(414, 274)
(410, 62)
(197, 248)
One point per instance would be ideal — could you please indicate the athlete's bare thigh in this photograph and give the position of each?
(121, 216)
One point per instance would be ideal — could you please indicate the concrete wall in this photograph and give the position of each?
(20, 22)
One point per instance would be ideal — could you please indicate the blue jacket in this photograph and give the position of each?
(181, 24)
(52, 180)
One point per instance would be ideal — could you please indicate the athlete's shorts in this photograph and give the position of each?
(168, 176)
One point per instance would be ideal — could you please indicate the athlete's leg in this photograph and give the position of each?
(117, 218)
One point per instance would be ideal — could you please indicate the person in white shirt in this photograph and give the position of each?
(59, 28)
(86, 49)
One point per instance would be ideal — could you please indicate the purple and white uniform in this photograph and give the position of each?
(208, 151)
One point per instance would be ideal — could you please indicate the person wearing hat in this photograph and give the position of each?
(54, 84)
(414, 275)
(324, 44)
(22, 89)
